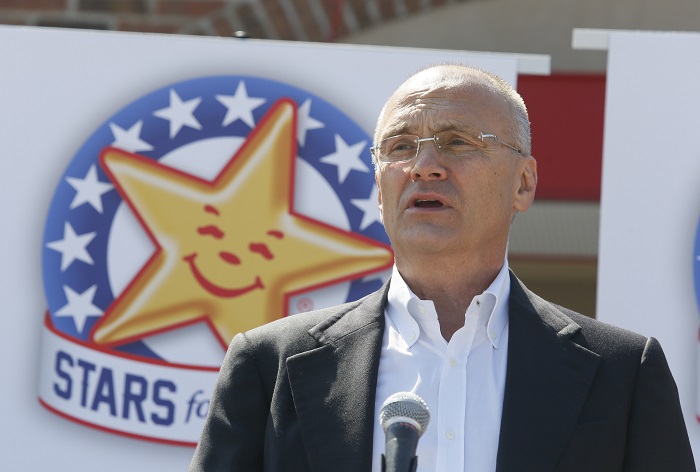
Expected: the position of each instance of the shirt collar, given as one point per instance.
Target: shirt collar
(402, 303)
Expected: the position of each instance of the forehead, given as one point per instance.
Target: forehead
(432, 100)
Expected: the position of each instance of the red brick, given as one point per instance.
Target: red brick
(334, 12)
(223, 27)
(359, 8)
(386, 8)
(72, 23)
(12, 21)
(278, 19)
(148, 27)
(413, 6)
(113, 6)
(308, 20)
(192, 8)
(33, 4)
(252, 26)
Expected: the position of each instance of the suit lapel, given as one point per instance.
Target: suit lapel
(334, 386)
(547, 381)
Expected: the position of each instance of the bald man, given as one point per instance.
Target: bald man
(513, 382)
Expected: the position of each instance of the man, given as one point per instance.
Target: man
(513, 383)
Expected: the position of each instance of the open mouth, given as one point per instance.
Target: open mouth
(428, 204)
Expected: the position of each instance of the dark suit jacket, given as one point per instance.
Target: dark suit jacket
(298, 395)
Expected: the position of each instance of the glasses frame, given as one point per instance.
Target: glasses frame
(482, 137)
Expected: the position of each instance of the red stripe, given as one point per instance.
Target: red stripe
(567, 113)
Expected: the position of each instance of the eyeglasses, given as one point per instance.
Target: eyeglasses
(451, 144)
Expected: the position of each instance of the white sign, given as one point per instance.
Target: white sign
(63, 92)
(650, 208)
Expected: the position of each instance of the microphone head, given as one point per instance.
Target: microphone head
(405, 407)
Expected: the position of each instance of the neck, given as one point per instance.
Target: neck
(450, 283)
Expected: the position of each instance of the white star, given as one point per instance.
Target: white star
(305, 123)
(72, 247)
(129, 140)
(79, 306)
(89, 189)
(240, 106)
(179, 113)
(369, 207)
(346, 158)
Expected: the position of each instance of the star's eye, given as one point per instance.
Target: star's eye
(229, 257)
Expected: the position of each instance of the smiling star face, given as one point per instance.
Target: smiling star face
(227, 264)
(230, 251)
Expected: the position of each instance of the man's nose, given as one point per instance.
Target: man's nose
(427, 164)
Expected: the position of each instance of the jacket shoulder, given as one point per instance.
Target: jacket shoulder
(304, 331)
(599, 337)
(606, 338)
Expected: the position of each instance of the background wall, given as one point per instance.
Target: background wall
(528, 26)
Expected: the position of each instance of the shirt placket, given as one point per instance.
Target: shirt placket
(453, 391)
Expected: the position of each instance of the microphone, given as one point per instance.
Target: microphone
(404, 417)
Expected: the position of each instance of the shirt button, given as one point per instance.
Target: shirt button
(450, 435)
(453, 362)
(492, 334)
(421, 308)
(412, 336)
(478, 302)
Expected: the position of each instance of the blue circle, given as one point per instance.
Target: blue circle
(85, 219)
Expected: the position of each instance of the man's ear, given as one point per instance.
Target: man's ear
(379, 198)
(528, 184)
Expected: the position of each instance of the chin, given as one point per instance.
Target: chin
(424, 242)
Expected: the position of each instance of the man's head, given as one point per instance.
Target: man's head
(456, 194)
(457, 74)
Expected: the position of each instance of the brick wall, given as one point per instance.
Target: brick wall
(305, 20)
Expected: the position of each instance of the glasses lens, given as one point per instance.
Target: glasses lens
(451, 144)
(398, 148)
(457, 143)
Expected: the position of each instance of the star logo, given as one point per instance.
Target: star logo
(202, 209)
(230, 251)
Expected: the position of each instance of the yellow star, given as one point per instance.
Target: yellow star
(229, 252)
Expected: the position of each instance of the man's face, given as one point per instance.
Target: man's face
(433, 203)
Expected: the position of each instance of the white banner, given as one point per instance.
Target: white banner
(129, 256)
(650, 205)
(123, 394)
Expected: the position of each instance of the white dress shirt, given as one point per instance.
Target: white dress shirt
(461, 381)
